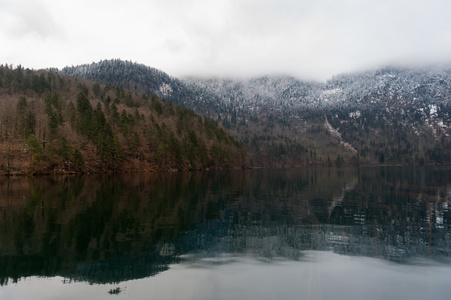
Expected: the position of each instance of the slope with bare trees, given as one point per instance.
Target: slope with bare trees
(55, 123)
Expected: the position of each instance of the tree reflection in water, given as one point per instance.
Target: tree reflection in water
(112, 228)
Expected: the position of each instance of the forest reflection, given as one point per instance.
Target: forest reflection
(111, 228)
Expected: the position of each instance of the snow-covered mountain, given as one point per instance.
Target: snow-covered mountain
(387, 115)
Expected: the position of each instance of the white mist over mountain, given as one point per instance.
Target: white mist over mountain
(306, 39)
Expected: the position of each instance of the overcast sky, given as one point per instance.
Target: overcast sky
(309, 39)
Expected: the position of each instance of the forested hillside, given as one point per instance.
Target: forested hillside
(55, 123)
(253, 111)
(385, 116)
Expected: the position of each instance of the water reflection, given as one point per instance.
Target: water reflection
(105, 229)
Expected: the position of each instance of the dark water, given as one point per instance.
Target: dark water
(376, 233)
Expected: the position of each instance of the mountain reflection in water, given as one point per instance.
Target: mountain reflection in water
(113, 228)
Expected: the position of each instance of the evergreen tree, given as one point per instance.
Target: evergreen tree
(27, 123)
(84, 109)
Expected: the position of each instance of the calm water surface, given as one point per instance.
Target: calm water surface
(373, 233)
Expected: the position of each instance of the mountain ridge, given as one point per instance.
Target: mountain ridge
(390, 115)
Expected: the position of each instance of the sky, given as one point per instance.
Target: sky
(308, 39)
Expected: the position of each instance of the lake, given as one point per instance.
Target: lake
(320, 233)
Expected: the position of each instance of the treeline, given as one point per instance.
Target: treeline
(56, 123)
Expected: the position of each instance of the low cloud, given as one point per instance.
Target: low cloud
(307, 39)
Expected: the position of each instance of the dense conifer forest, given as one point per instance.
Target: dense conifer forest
(386, 116)
(53, 123)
